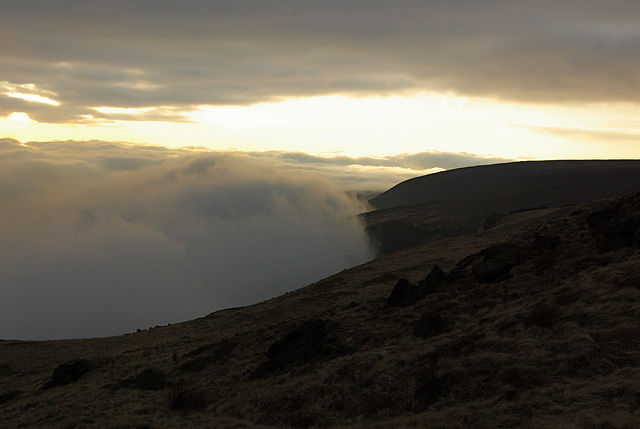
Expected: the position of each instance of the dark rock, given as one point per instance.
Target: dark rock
(435, 277)
(405, 293)
(6, 397)
(497, 262)
(400, 293)
(302, 343)
(429, 325)
(429, 285)
(67, 373)
(299, 342)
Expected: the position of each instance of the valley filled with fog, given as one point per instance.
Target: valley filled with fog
(102, 238)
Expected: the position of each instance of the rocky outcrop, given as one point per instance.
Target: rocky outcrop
(301, 344)
(401, 293)
(405, 293)
(496, 262)
(10, 396)
(67, 373)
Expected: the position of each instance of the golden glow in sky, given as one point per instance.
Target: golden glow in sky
(371, 126)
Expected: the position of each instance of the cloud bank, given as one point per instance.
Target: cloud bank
(102, 238)
(77, 61)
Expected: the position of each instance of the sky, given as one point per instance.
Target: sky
(161, 159)
(507, 79)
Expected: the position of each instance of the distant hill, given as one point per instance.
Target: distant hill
(531, 323)
(514, 185)
(468, 199)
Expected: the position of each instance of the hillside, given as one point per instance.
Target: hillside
(465, 200)
(533, 322)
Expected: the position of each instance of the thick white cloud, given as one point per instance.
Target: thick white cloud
(171, 57)
(103, 238)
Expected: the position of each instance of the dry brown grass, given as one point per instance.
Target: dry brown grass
(555, 345)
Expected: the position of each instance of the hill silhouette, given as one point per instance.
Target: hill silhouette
(532, 322)
(468, 199)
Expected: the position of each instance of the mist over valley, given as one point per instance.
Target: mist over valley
(103, 238)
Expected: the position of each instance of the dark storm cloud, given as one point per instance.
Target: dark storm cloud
(102, 238)
(174, 56)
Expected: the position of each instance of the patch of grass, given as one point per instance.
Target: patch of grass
(149, 379)
(544, 316)
(208, 354)
(183, 398)
(5, 370)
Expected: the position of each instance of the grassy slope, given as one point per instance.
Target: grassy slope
(495, 365)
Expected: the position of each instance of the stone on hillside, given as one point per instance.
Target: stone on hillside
(435, 277)
(405, 293)
(429, 325)
(10, 396)
(302, 343)
(400, 293)
(497, 262)
(299, 342)
(67, 373)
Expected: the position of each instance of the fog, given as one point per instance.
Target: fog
(104, 238)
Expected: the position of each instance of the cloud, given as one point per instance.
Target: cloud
(102, 238)
(369, 173)
(608, 136)
(171, 58)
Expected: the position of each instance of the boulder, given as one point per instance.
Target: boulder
(496, 263)
(10, 396)
(405, 293)
(67, 373)
(302, 343)
(401, 293)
